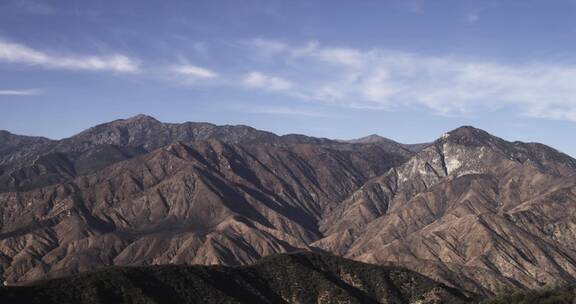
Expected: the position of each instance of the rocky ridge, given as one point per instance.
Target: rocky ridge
(470, 210)
(27, 163)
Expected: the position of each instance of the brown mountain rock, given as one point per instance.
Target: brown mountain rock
(471, 200)
(209, 202)
(471, 210)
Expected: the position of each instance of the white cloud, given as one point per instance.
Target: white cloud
(19, 92)
(289, 111)
(473, 17)
(339, 56)
(379, 78)
(261, 81)
(193, 71)
(266, 46)
(34, 7)
(18, 53)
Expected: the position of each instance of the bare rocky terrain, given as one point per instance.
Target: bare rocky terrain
(470, 210)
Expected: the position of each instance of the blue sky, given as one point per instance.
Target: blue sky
(408, 70)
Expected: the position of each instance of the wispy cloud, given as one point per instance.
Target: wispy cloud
(475, 10)
(19, 92)
(334, 55)
(193, 71)
(258, 80)
(18, 53)
(289, 111)
(266, 46)
(473, 17)
(384, 79)
(34, 7)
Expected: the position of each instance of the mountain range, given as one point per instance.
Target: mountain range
(470, 210)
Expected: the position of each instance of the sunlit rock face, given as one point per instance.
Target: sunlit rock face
(471, 209)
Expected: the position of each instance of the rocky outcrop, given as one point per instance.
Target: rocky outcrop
(471, 210)
(13, 147)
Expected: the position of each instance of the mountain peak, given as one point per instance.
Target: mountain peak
(468, 135)
(141, 118)
(467, 131)
(370, 139)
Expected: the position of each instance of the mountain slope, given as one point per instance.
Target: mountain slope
(556, 295)
(204, 203)
(377, 139)
(27, 163)
(13, 146)
(297, 278)
(471, 210)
